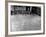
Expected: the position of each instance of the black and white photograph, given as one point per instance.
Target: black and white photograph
(24, 18)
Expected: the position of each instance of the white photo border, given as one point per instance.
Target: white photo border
(25, 32)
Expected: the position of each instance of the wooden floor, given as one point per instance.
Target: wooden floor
(25, 22)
